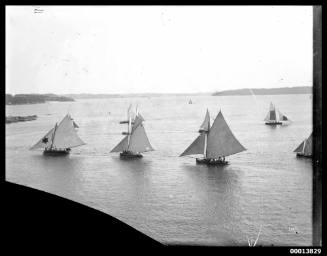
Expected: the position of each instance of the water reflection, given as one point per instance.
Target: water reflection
(60, 175)
(221, 187)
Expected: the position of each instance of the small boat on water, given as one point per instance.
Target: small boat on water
(190, 102)
(274, 118)
(305, 148)
(136, 141)
(215, 142)
(60, 139)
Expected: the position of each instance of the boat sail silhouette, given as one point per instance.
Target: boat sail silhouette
(305, 148)
(274, 118)
(136, 141)
(60, 139)
(215, 142)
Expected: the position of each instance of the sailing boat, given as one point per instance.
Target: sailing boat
(272, 118)
(305, 148)
(136, 141)
(214, 143)
(60, 139)
(190, 102)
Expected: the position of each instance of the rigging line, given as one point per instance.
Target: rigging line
(255, 99)
(255, 242)
(261, 209)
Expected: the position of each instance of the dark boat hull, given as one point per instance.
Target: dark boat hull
(302, 155)
(273, 123)
(211, 161)
(56, 152)
(129, 155)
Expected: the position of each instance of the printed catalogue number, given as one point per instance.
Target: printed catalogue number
(305, 251)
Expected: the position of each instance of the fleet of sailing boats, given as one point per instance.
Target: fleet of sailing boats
(273, 118)
(215, 142)
(305, 148)
(60, 139)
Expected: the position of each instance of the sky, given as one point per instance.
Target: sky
(156, 49)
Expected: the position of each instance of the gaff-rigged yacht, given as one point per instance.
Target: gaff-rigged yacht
(60, 139)
(215, 142)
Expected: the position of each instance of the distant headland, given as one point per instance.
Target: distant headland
(127, 95)
(34, 98)
(263, 91)
(15, 119)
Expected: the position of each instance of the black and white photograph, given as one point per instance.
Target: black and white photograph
(195, 125)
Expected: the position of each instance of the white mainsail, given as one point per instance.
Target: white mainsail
(45, 142)
(65, 135)
(221, 141)
(139, 141)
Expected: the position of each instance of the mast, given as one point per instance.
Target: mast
(129, 131)
(204, 128)
(205, 145)
(305, 141)
(53, 135)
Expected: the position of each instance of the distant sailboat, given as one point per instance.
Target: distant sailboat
(214, 143)
(305, 148)
(273, 118)
(60, 139)
(190, 102)
(136, 141)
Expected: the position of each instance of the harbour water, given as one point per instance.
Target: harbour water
(167, 197)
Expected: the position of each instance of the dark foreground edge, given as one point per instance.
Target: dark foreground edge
(39, 222)
(35, 219)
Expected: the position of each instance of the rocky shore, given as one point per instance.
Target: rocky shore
(15, 119)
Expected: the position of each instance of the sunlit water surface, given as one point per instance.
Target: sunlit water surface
(167, 197)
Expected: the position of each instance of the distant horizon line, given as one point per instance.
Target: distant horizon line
(156, 93)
